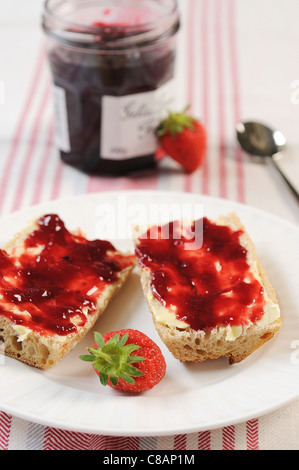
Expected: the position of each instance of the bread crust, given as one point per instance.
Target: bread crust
(41, 351)
(188, 345)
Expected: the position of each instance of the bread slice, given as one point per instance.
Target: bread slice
(54, 285)
(223, 338)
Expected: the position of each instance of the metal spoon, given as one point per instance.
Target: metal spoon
(260, 141)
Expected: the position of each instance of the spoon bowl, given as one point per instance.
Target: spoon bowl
(266, 144)
(260, 141)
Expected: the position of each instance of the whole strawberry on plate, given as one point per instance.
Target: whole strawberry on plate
(184, 139)
(127, 360)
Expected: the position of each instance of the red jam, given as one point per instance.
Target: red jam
(209, 285)
(56, 282)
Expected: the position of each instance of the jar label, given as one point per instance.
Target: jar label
(129, 122)
(62, 135)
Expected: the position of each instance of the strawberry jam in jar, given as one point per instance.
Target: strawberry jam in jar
(113, 67)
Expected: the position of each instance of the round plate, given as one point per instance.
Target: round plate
(191, 397)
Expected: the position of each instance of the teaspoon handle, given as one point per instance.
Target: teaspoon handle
(274, 165)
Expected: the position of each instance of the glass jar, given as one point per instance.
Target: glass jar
(112, 63)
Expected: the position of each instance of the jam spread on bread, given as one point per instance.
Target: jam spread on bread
(206, 283)
(50, 282)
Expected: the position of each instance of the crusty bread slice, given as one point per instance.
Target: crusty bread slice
(236, 342)
(36, 347)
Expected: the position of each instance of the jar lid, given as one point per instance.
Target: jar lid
(110, 24)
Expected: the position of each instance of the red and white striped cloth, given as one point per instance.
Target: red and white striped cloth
(226, 72)
(18, 434)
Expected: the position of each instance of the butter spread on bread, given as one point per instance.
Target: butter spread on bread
(54, 285)
(209, 295)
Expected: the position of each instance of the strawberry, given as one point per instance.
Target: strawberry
(114, 353)
(183, 138)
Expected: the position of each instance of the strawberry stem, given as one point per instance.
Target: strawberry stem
(175, 123)
(113, 359)
(100, 354)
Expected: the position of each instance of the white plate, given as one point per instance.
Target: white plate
(190, 398)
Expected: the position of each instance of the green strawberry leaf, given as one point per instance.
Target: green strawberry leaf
(113, 359)
(133, 359)
(114, 380)
(175, 123)
(99, 339)
(127, 378)
(131, 371)
(87, 358)
(103, 378)
(123, 340)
